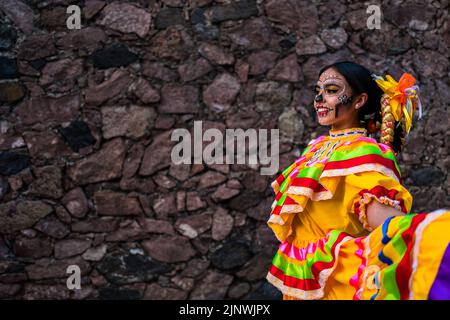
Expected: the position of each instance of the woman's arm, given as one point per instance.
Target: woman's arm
(377, 213)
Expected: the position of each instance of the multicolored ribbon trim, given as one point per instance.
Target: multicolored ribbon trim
(403, 97)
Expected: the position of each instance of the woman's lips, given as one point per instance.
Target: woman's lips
(322, 111)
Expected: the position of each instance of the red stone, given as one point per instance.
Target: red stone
(221, 93)
(310, 45)
(116, 204)
(242, 69)
(252, 34)
(165, 205)
(118, 83)
(296, 16)
(48, 183)
(125, 18)
(177, 98)
(157, 292)
(76, 203)
(194, 201)
(223, 193)
(210, 179)
(193, 225)
(194, 70)
(152, 161)
(142, 185)
(47, 268)
(213, 285)
(132, 122)
(286, 70)
(133, 160)
(169, 248)
(86, 38)
(222, 224)
(45, 292)
(20, 13)
(172, 43)
(45, 145)
(47, 110)
(98, 225)
(92, 7)
(33, 248)
(144, 228)
(145, 92)
(216, 54)
(105, 164)
(71, 247)
(158, 70)
(261, 61)
(15, 216)
(36, 46)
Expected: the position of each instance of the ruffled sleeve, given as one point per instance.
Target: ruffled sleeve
(295, 187)
(365, 187)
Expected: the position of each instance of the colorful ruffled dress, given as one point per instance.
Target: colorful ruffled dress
(328, 250)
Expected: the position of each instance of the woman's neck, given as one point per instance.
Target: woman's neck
(350, 132)
(355, 124)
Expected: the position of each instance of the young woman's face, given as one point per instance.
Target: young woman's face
(332, 93)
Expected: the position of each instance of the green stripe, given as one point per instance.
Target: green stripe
(310, 172)
(307, 172)
(281, 200)
(389, 283)
(397, 241)
(285, 173)
(360, 151)
(389, 279)
(288, 170)
(304, 271)
(306, 150)
(284, 186)
(363, 151)
(291, 269)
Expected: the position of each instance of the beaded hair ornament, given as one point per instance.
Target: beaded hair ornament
(398, 103)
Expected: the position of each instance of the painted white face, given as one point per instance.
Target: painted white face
(331, 91)
(330, 84)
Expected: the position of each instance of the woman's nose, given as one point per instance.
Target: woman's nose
(318, 98)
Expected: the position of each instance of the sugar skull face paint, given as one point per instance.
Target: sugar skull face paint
(332, 94)
(344, 99)
(330, 84)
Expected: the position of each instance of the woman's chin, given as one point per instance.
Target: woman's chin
(325, 121)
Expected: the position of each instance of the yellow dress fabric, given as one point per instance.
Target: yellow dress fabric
(328, 250)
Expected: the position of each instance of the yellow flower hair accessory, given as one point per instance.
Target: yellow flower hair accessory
(403, 97)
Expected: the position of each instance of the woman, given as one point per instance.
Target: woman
(341, 212)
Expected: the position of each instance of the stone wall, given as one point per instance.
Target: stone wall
(86, 117)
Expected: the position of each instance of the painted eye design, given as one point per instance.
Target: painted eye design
(344, 99)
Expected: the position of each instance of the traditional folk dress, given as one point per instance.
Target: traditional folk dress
(328, 250)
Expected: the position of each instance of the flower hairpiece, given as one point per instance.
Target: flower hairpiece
(403, 97)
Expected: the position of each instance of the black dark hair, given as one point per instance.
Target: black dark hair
(360, 80)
